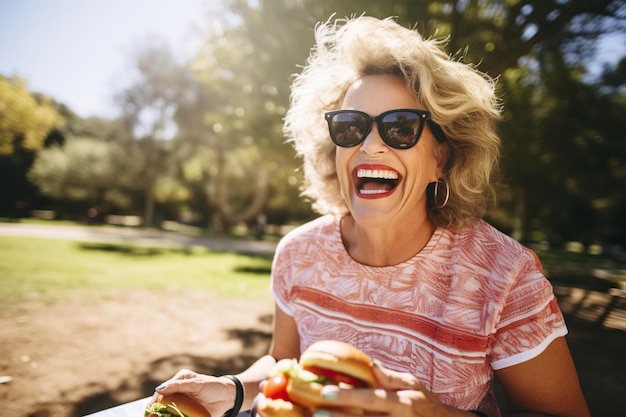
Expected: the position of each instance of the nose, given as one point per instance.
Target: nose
(373, 143)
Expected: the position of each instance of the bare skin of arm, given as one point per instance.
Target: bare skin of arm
(285, 345)
(547, 384)
(218, 394)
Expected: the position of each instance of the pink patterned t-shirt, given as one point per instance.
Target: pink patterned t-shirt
(473, 300)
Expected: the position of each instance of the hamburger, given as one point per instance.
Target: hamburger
(176, 405)
(294, 388)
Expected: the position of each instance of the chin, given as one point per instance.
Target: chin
(371, 217)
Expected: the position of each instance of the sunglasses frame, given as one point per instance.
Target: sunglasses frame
(424, 117)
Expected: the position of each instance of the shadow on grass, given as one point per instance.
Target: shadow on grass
(261, 262)
(257, 270)
(254, 342)
(135, 250)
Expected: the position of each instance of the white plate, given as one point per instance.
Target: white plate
(131, 409)
(136, 409)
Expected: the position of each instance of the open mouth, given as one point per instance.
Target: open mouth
(375, 182)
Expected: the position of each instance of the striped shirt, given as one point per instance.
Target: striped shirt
(472, 301)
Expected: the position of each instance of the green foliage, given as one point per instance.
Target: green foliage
(564, 143)
(83, 169)
(259, 45)
(148, 106)
(243, 72)
(66, 269)
(206, 137)
(76, 172)
(24, 121)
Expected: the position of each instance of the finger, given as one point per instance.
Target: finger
(188, 386)
(156, 397)
(253, 408)
(355, 399)
(377, 402)
(182, 375)
(185, 382)
(185, 374)
(393, 380)
(320, 412)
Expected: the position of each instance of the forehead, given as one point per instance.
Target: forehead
(377, 93)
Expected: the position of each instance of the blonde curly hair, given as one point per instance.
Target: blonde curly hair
(461, 100)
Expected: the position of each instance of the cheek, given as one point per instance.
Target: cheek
(341, 163)
(421, 168)
(344, 176)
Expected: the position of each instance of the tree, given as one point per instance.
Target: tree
(494, 34)
(208, 135)
(258, 45)
(85, 170)
(498, 33)
(244, 69)
(148, 108)
(561, 139)
(25, 122)
(580, 156)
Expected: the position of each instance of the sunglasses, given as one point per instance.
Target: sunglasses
(400, 129)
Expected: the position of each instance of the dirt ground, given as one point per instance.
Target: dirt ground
(76, 358)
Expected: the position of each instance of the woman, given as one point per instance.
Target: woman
(399, 150)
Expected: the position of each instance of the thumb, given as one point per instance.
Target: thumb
(184, 382)
(393, 380)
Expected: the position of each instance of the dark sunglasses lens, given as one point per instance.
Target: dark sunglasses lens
(348, 129)
(401, 129)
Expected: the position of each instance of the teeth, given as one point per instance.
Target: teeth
(377, 173)
(372, 191)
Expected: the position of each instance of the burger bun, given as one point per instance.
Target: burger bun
(308, 394)
(187, 405)
(339, 357)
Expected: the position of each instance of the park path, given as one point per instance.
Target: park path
(137, 235)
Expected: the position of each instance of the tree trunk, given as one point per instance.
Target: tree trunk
(224, 214)
(148, 211)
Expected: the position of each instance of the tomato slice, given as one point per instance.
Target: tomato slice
(335, 376)
(276, 387)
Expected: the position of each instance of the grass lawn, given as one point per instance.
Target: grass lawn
(54, 270)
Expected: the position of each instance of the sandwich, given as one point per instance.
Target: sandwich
(176, 405)
(294, 387)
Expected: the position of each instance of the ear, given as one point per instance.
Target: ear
(442, 153)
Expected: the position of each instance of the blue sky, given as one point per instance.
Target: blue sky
(77, 51)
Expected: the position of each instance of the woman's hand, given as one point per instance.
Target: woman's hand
(398, 394)
(216, 394)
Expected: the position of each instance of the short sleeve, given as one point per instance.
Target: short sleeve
(530, 319)
(280, 276)
(296, 255)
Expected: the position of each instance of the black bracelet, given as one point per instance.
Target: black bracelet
(478, 413)
(238, 398)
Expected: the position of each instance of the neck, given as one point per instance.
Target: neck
(386, 245)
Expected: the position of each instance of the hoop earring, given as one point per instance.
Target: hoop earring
(436, 193)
